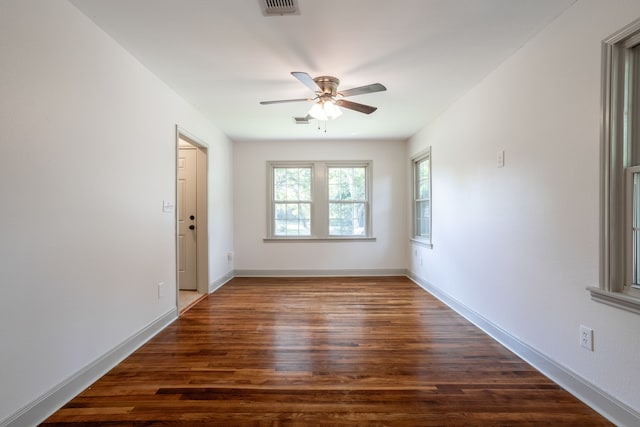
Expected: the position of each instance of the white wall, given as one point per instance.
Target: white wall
(519, 244)
(388, 208)
(87, 156)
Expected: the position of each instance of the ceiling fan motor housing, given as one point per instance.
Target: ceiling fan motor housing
(328, 84)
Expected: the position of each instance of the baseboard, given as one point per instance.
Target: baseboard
(215, 285)
(41, 408)
(321, 273)
(605, 404)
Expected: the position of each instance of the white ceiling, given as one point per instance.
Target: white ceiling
(224, 56)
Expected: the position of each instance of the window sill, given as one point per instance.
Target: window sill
(615, 299)
(423, 243)
(316, 239)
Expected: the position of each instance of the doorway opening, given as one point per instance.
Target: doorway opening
(192, 239)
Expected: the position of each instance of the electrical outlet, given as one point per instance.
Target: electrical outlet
(586, 337)
(229, 256)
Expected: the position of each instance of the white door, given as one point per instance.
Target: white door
(187, 221)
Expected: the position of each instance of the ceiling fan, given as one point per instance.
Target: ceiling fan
(327, 97)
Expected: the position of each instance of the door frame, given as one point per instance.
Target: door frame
(202, 211)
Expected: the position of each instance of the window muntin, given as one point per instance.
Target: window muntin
(319, 200)
(347, 201)
(422, 197)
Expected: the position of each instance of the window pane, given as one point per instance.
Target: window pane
(422, 219)
(292, 184)
(347, 183)
(292, 219)
(347, 219)
(631, 105)
(422, 179)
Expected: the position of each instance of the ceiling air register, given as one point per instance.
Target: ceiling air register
(279, 7)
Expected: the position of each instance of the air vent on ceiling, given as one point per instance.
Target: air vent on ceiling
(301, 120)
(279, 7)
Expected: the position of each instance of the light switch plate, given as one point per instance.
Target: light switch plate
(167, 206)
(160, 290)
(501, 158)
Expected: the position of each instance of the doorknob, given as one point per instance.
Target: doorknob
(192, 217)
(192, 227)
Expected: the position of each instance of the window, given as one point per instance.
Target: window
(292, 201)
(421, 166)
(620, 192)
(347, 201)
(319, 200)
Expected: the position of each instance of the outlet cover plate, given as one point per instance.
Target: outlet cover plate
(586, 337)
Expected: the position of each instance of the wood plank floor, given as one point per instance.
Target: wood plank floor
(323, 352)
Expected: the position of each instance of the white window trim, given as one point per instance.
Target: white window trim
(319, 201)
(419, 240)
(614, 250)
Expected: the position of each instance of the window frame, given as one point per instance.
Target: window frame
(319, 200)
(424, 155)
(617, 142)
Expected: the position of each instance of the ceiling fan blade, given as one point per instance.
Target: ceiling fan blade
(282, 101)
(366, 109)
(306, 80)
(375, 87)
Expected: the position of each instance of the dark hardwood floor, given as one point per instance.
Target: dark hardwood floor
(373, 351)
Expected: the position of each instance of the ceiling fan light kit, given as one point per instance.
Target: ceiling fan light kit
(325, 110)
(328, 99)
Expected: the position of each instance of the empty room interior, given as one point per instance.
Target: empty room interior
(437, 182)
